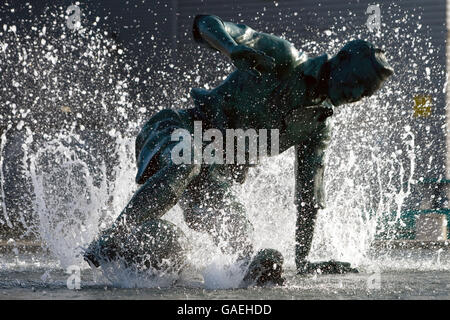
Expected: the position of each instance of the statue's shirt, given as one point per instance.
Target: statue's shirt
(284, 99)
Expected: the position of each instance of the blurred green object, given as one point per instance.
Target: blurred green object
(434, 199)
(405, 227)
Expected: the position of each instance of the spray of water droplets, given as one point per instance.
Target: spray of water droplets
(65, 99)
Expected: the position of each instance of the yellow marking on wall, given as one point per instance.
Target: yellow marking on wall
(422, 106)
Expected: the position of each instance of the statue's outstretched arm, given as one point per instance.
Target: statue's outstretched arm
(310, 198)
(309, 195)
(213, 32)
(233, 41)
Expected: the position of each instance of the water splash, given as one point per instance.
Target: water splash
(83, 81)
(66, 195)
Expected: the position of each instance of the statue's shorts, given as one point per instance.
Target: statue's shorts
(155, 136)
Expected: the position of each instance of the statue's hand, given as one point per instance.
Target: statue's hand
(326, 267)
(250, 60)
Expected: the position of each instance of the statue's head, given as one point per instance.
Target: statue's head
(357, 71)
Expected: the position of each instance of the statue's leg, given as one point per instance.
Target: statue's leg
(157, 244)
(159, 194)
(151, 201)
(210, 206)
